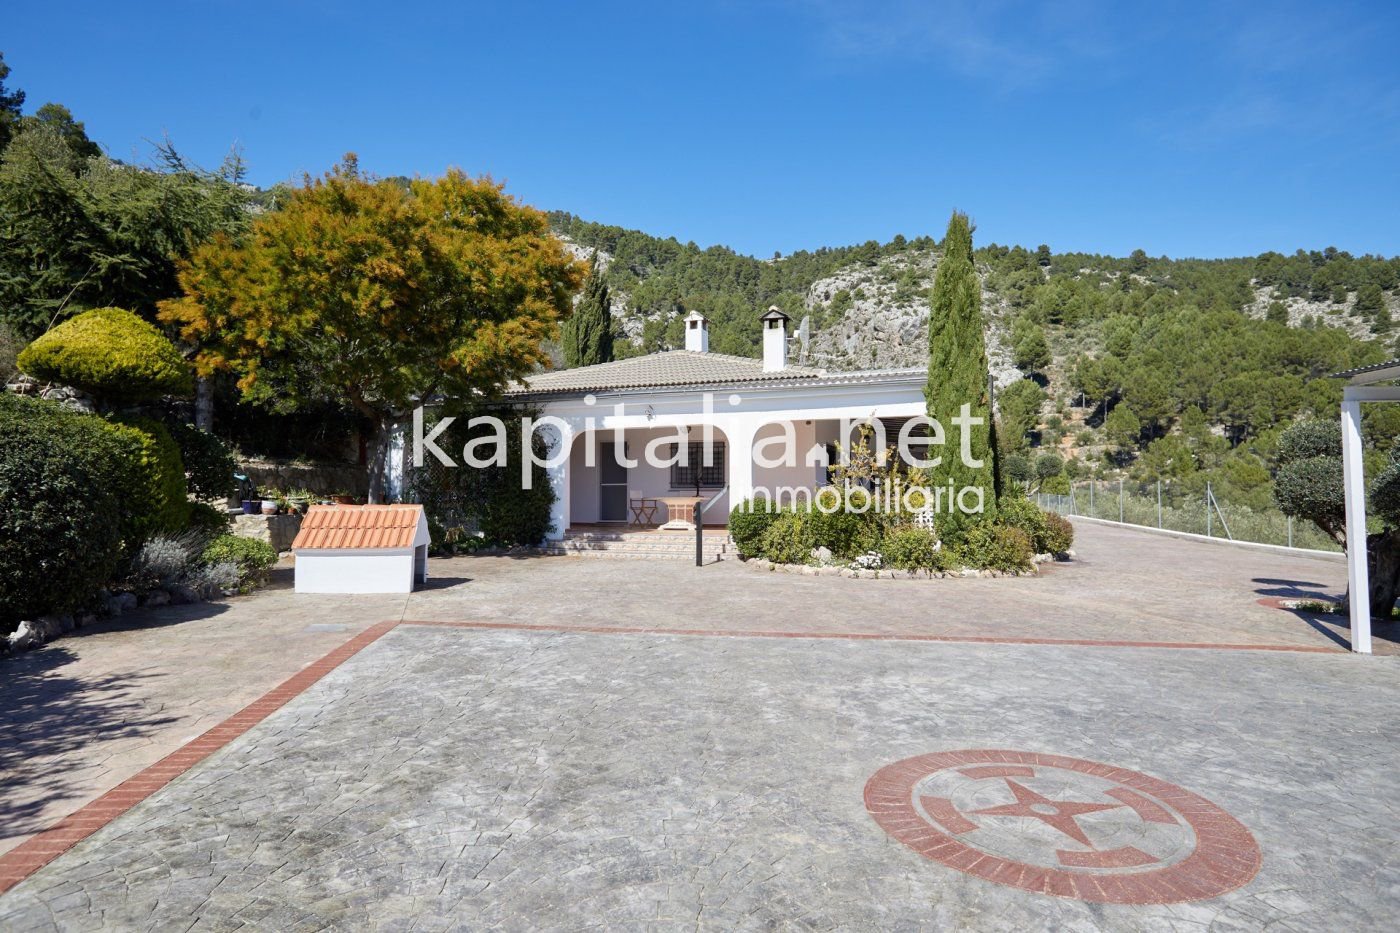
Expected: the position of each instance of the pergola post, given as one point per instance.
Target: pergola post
(1358, 578)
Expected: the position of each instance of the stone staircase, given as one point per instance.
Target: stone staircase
(643, 545)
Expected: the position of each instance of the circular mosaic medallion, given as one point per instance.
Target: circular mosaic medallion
(1063, 826)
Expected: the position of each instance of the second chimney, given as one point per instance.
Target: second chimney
(697, 333)
(774, 340)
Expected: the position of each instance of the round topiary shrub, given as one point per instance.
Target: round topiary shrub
(788, 539)
(61, 526)
(748, 522)
(110, 354)
(163, 504)
(909, 547)
(1308, 439)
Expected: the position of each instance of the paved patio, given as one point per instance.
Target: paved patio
(627, 773)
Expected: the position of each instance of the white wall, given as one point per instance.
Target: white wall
(354, 571)
(796, 475)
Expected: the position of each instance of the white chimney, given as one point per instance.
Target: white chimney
(697, 333)
(774, 340)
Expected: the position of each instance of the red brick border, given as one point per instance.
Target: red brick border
(1225, 856)
(37, 851)
(45, 846)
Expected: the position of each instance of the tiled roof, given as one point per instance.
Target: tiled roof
(345, 527)
(679, 368)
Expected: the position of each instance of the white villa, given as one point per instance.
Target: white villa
(746, 402)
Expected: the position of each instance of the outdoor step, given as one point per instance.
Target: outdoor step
(641, 545)
(625, 554)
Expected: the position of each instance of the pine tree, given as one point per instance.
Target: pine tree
(957, 371)
(10, 104)
(587, 335)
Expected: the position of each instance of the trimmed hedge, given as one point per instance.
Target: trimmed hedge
(110, 354)
(63, 477)
(165, 506)
(748, 522)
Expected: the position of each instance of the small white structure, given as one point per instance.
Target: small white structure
(1361, 386)
(361, 549)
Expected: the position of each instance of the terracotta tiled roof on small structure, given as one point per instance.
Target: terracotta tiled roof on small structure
(346, 527)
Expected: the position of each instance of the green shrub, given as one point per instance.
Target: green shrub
(1308, 439)
(110, 354)
(1016, 511)
(1059, 535)
(164, 505)
(909, 547)
(841, 531)
(993, 546)
(210, 521)
(788, 539)
(209, 463)
(61, 525)
(748, 522)
(251, 556)
(493, 497)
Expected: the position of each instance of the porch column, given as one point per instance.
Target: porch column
(739, 473)
(1353, 474)
(561, 446)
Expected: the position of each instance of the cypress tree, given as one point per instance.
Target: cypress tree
(587, 334)
(957, 370)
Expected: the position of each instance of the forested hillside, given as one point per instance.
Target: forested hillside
(1184, 370)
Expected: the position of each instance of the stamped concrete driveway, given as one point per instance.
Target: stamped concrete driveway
(609, 769)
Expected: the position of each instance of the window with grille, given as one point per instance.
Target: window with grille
(685, 475)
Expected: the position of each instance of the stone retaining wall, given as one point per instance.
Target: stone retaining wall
(277, 530)
(322, 478)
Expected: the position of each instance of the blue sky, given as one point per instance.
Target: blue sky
(1210, 129)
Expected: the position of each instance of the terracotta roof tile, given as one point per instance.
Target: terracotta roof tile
(344, 527)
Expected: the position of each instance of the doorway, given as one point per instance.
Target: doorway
(612, 478)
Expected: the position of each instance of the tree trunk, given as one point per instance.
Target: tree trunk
(380, 444)
(1383, 558)
(203, 404)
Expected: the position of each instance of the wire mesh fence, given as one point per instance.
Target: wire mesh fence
(1160, 505)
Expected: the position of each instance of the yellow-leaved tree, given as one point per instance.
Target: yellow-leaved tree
(379, 295)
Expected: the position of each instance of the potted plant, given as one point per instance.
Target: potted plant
(299, 501)
(343, 498)
(269, 506)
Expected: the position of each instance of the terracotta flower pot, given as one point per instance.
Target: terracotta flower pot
(269, 507)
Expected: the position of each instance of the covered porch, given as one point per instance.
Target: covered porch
(626, 470)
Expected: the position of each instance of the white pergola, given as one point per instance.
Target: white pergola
(1361, 387)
